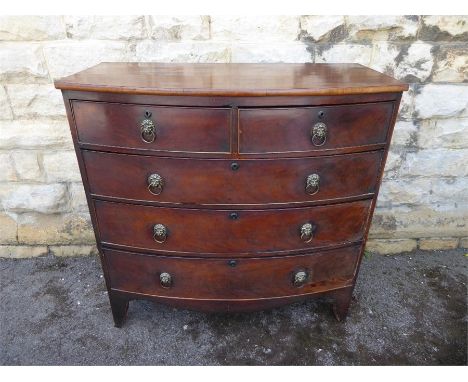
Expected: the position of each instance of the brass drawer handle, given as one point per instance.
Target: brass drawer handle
(307, 232)
(155, 184)
(159, 233)
(312, 184)
(319, 134)
(148, 130)
(300, 278)
(165, 280)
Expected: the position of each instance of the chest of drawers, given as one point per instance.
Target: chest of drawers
(230, 187)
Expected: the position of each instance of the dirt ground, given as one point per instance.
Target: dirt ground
(409, 309)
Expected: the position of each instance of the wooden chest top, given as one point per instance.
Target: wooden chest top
(231, 79)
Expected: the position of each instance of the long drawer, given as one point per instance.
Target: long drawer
(153, 128)
(228, 279)
(231, 182)
(200, 232)
(312, 129)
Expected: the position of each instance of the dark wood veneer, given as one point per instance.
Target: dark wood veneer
(213, 182)
(231, 79)
(211, 232)
(208, 116)
(180, 129)
(282, 130)
(220, 279)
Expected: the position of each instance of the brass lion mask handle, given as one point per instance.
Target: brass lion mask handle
(307, 232)
(319, 134)
(147, 128)
(159, 233)
(312, 184)
(155, 184)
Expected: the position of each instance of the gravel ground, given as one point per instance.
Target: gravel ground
(410, 309)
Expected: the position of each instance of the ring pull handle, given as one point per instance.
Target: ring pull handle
(300, 278)
(165, 279)
(312, 184)
(307, 232)
(159, 233)
(319, 134)
(147, 128)
(155, 184)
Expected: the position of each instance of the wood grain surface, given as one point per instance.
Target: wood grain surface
(231, 79)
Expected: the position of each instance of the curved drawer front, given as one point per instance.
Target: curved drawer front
(168, 129)
(231, 279)
(203, 232)
(309, 129)
(214, 182)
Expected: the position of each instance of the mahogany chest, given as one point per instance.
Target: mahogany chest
(230, 187)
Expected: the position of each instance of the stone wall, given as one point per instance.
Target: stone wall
(423, 200)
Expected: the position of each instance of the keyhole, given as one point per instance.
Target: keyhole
(234, 216)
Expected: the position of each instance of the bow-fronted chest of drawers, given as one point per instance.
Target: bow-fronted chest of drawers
(230, 187)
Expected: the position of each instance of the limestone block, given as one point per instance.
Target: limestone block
(423, 221)
(77, 197)
(44, 198)
(451, 64)
(23, 251)
(406, 108)
(415, 63)
(254, 28)
(391, 246)
(68, 57)
(278, 52)
(385, 57)
(7, 229)
(73, 250)
(7, 169)
(444, 28)
(464, 242)
(438, 243)
(35, 134)
(55, 229)
(31, 101)
(175, 28)
(197, 51)
(26, 165)
(405, 134)
(441, 101)
(105, 27)
(22, 62)
(423, 191)
(61, 166)
(381, 28)
(394, 161)
(33, 28)
(341, 53)
(435, 163)
(323, 28)
(449, 133)
(412, 63)
(5, 109)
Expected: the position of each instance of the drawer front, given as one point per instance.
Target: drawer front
(178, 129)
(231, 279)
(214, 182)
(194, 232)
(309, 129)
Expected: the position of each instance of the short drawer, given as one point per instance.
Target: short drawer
(310, 129)
(196, 232)
(231, 182)
(156, 128)
(225, 279)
